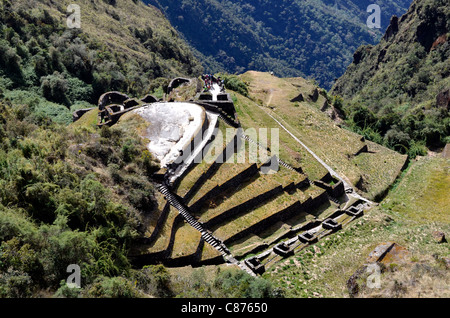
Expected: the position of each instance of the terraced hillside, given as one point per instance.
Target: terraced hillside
(250, 195)
(305, 110)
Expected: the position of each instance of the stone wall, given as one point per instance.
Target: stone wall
(222, 157)
(112, 116)
(149, 99)
(188, 259)
(335, 191)
(159, 224)
(224, 102)
(267, 222)
(162, 256)
(189, 148)
(177, 82)
(201, 180)
(80, 112)
(230, 119)
(111, 98)
(231, 183)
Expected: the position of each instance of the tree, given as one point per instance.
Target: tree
(54, 88)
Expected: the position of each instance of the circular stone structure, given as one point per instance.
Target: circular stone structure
(173, 127)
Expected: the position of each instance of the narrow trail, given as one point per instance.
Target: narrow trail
(209, 237)
(349, 190)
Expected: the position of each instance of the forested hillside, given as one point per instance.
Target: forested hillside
(397, 92)
(292, 38)
(122, 46)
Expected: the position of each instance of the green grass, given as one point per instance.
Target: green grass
(291, 152)
(316, 130)
(323, 269)
(194, 173)
(422, 195)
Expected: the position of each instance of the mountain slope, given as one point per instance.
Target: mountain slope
(291, 38)
(120, 46)
(398, 88)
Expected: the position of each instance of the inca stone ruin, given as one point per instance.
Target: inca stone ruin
(223, 210)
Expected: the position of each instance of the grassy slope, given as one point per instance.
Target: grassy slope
(378, 169)
(415, 208)
(112, 26)
(389, 71)
(399, 80)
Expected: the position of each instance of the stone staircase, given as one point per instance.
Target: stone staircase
(208, 237)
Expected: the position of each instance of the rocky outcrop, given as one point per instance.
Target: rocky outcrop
(379, 259)
(314, 95)
(392, 28)
(439, 41)
(439, 237)
(443, 99)
(446, 152)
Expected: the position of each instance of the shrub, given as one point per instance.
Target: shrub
(154, 280)
(234, 83)
(15, 223)
(115, 287)
(397, 140)
(18, 256)
(9, 59)
(362, 116)
(338, 102)
(78, 60)
(65, 291)
(15, 284)
(238, 284)
(78, 90)
(55, 87)
(41, 200)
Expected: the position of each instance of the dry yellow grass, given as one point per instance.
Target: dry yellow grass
(334, 145)
(187, 240)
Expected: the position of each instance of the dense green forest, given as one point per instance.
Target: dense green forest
(391, 90)
(310, 38)
(74, 194)
(58, 70)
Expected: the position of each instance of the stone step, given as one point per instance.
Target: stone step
(210, 239)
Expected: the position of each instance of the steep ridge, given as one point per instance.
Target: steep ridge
(398, 89)
(292, 38)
